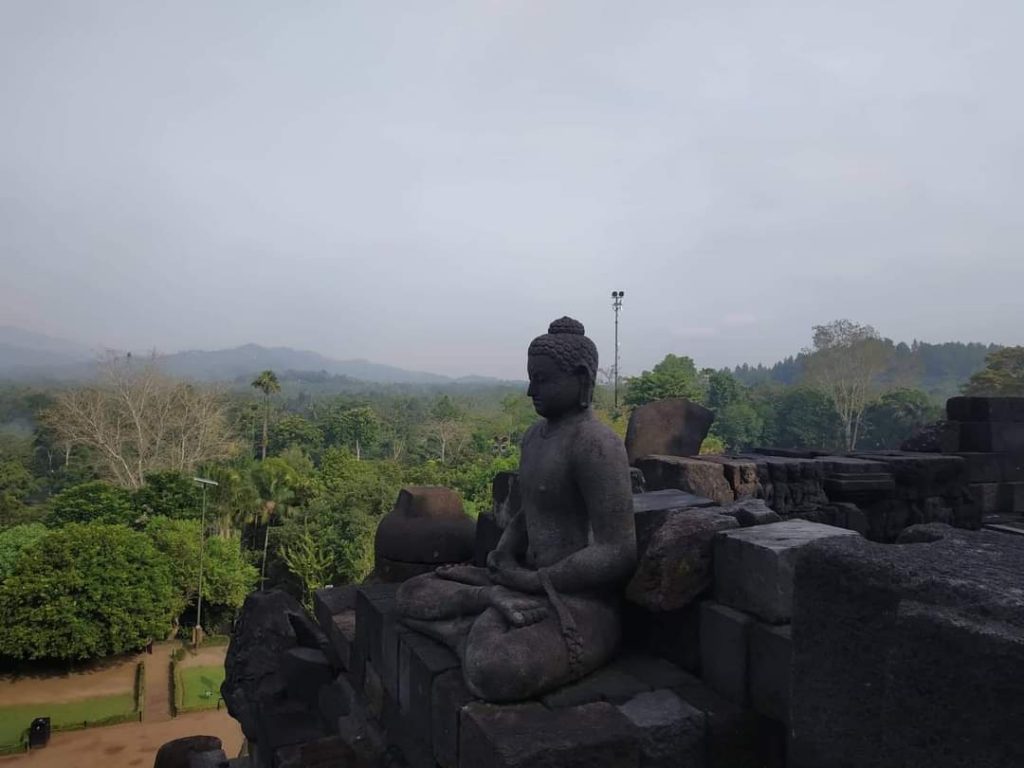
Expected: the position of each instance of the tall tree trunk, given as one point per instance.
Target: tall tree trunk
(266, 418)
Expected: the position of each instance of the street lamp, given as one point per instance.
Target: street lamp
(617, 305)
(202, 550)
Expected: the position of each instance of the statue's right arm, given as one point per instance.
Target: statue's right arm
(513, 541)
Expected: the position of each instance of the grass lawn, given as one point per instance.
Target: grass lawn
(196, 682)
(67, 716)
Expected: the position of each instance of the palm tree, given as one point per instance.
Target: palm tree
(276, 483)
(268, 384)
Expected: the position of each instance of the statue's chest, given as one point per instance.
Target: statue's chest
(546, 472)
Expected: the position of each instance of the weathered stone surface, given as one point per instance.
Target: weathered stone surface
(985, 408)
(741, 475)
(995, 436)
(748, 512)
(910, 654)
(283, 724)
(179, 753)
(505, 497)
(921, 475)
(654, 671)
(858, 487)
(769, 664)
(328, 752)
(669, 498)
(672, 427)
(790, 483)
(613, 684)
(590, 736)
(754, 566)
(672, 635)
(373, 601)
(724, 637)
(940, 437)
(675, 558)
(637, 482)
(702, 478)
(734, 735)
(993, 467)
(487, 536)
(420, 661)
(449, 697)
(672, 732)
(426, 525)
(305, 670)
(334, 608)
(270, 624)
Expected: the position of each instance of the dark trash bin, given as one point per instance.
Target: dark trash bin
(39, 733)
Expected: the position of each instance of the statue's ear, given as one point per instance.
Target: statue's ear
(586, 386)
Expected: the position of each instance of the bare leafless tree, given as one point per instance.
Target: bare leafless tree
(138, 420)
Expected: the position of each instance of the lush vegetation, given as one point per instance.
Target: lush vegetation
(65, 716)
(103, 527)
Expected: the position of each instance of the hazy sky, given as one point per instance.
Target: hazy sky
(430, 183)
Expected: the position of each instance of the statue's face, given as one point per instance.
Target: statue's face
(554, 392)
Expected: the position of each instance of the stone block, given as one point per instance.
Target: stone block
(449, 697)
(372, 602)
(860, 486)
(330, 601)
(995, 436)
(748, 512)
(335, 701)
(908, 654)
(675, 562)
(672, 732)
(655, 671)
(420, 661)
(426, 526)
(589, 736)
(724, 637)
(667, 499)
(754, 566)
(341, 636)
(612, 683)
(672, 635)
(671, 427)
(733, 733)
(388, 663)
(702, 478)
(1012, 497)
(985, 409)
(741, 474)
(505, 497)
(986, 496)
(769, 661)
(983, 467)
(305, 670)
(920, 475)
(488, 534)
(789, 483)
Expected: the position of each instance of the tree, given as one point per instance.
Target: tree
(845, 363)
(94, 502)
(294, 430)
(169, 494)
(896, 416)
(801, 417)
(268, 384)
(16, 484)
(85, 591)
(1003, 375)
(227, 576)
(674, 376)
(14, 540)
(276, 482)
(310, 561)
(446, 425)
(358, 428)
(136, 420)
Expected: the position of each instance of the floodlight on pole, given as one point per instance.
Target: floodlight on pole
(205, 482)
(617, 305)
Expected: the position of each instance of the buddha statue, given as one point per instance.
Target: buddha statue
(545, 610)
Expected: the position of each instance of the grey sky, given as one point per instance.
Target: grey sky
(430, 183)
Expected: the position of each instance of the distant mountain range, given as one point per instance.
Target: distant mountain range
(27, 356)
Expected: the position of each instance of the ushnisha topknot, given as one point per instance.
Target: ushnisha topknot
(566, 345)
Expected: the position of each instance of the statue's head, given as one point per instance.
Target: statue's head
(562, 365)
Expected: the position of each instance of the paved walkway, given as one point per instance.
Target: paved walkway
(158, 683)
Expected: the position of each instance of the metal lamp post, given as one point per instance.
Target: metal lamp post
(202, 550)
(617, 305)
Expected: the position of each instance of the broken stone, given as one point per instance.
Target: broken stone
(671, 427)
(750, 512)
(675, 561)
(702, 478)
(671, 731)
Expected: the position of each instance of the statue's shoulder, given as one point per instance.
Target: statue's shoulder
(531, 432)
(592, 432)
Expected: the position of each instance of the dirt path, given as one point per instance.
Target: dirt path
(158, 683)
(212, 656)
(130, 745)
(106, 678)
